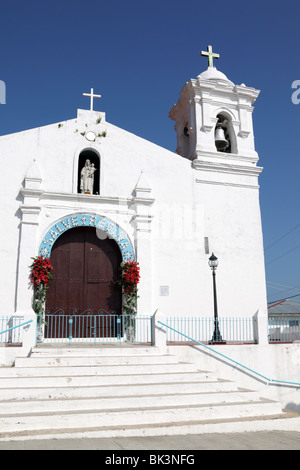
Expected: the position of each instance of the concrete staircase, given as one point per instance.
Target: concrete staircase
(122, 391)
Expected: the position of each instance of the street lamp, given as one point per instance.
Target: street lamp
(216, 338)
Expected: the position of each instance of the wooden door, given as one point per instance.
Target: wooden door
(85, 270)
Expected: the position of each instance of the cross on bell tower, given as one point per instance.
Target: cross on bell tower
(211, 55)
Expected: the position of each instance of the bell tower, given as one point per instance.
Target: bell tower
(213, 118)
(213, 122)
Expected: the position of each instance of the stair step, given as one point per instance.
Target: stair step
(129, 418)
(87, 360)
(97, 370)
(101, 375)
(19, 408)
(162, 385)
(109, 350)
(92, 380)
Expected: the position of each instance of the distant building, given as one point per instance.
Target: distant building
(284, 321)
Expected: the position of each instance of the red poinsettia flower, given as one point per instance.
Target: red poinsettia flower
(131, 276)
(41, 271)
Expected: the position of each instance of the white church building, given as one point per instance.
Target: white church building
(90, 195)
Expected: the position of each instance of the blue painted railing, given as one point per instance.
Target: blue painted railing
(10, 337)
(90, 327)
(235, 330)
(232, 360)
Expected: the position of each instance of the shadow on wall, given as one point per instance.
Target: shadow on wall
(291, 406)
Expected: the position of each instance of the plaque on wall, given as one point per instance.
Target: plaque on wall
(164, 291)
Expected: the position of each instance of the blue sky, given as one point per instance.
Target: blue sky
(138, 55)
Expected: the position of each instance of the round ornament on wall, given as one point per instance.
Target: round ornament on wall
(91, 136)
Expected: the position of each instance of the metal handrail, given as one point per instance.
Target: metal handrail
(229, 358)
(16, 326)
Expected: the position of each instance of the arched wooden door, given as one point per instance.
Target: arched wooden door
(86, 270)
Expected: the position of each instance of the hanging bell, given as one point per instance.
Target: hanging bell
(220, 140)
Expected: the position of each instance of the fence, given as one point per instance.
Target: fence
(98, 327)
(10, 332)
(91, 327)
(232, 330)
(284, 329)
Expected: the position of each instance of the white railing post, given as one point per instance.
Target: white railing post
(159, 332)
(29, 332)
(261, 328)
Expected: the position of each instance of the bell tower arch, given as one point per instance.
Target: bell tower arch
(225, 137)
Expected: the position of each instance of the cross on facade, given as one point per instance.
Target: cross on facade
(211, 55)
(92, 96)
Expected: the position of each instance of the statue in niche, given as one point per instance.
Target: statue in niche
(87, 178)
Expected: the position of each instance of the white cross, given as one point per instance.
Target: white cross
(92, 96)
(211, 55)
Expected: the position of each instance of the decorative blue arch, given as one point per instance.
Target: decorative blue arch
(106, 225)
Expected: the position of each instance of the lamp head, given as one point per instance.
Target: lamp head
(213, 261)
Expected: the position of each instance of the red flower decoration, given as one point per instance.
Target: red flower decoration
(131, 276)
(41, 271)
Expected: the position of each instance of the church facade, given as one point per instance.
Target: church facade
(89, 195)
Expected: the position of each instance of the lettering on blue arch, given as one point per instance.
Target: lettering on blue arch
(86, 220)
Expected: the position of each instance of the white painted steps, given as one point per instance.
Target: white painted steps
(118, 392)
(119, 386)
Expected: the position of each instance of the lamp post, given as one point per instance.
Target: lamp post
(216, 338)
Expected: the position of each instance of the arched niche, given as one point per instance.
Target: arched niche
(91, 156)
